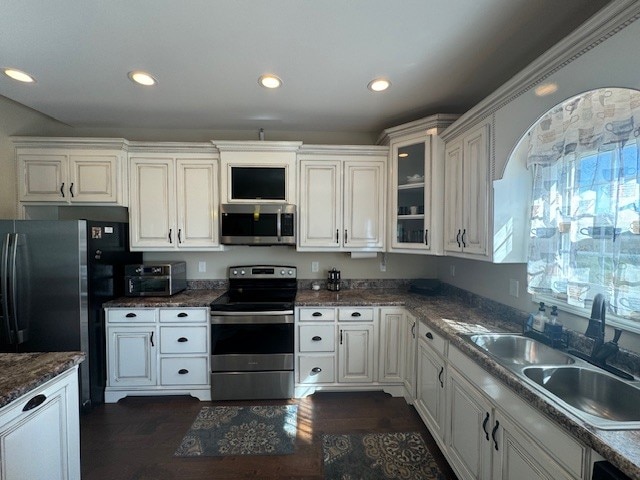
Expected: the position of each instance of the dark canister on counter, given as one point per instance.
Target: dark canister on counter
(333, 281)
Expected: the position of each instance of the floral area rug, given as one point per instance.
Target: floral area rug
(229, 430)
(378, 456)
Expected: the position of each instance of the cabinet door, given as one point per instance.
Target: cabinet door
(430, 399)
(93, 178)
(197, 203)
(410, 344)
(469, 428)
(364, 202)
(355, 354)
(152, 203)
(410, 211)
(35, 445)
(517, 456)
(132, 356)
(43, 178)
(392, 352)
(475, 191)
(320, 204)
(453, 197)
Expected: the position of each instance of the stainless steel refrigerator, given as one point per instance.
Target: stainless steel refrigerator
(54, 277)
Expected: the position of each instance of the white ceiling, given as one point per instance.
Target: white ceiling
(440, 55)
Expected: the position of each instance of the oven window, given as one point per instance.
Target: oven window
(256, 339)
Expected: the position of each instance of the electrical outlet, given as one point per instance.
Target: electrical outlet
(383, 263)
(202, 266)
(315, 266)
(452, 270)
(514, 287)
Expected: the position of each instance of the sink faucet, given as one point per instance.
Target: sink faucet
(601, 351)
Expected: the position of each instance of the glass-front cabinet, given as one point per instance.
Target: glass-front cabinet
(412, 209)
(416, 176)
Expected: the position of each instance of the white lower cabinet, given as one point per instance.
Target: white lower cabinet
(40, 432)
(431, 383)
(335, 348)
(493, 434)
(157, 351)
(410, 379)
(392, 358)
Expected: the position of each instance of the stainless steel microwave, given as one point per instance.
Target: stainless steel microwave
(258, 224)
(155, 279)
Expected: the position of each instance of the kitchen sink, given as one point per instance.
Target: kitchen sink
(590, 391)
(520, 350)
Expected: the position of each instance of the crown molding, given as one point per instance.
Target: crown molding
(172, 147)
(606, 23)
(256, 146)
(70, 142)
(439, 121)
(344, 150)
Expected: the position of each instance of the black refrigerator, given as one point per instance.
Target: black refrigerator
(54, 277)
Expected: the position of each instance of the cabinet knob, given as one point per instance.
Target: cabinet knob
(316, 370)
(183, 371)
(183, 339)
(316, 338)
(429, 335)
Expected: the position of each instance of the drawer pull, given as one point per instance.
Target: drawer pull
(316, 314)
(356, 314)
(183, 371)
(316, 370)
(429, 335)
(183, 339)
(182, 315)
(130, 315)
(34, 402)
(316, 338)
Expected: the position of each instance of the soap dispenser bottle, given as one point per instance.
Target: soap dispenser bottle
(540, 319)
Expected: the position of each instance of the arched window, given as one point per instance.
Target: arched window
(585, 212)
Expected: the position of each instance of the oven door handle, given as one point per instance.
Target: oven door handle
(218, 318)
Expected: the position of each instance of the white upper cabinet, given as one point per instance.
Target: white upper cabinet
(416, 179)
(466, 183)
(261, 171)
(342, 198)
(174, 200)
(71, 171)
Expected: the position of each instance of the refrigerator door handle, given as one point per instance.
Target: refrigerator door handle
(18, 335)
(4, 281)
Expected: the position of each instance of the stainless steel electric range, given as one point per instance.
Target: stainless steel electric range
(252, 334)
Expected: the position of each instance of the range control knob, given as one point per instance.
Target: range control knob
(235, 272)
(290, 272)
(281, 272)
(242, 272)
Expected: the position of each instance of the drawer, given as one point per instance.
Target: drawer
(427, 334)
(191, 315)
(183, 339)
(355, 314)
(316, 369)
(316, 338)
(184, 371)
(131, 315)
(317, 314)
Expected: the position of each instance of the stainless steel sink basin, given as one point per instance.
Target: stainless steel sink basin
(590, 391)
(519, 350)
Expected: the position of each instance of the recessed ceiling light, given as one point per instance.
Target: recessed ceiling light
(269, 81)
(19, 75)
(403, 155)
(546, 89)
(378, 85)
(142, 78)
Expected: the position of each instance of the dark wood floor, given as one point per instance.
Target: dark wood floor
(135, 439)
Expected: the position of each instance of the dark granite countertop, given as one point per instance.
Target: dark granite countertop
(22, 372)
(453, 317)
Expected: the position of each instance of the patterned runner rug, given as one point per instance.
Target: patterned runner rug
(259, 430)
(378, 456)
